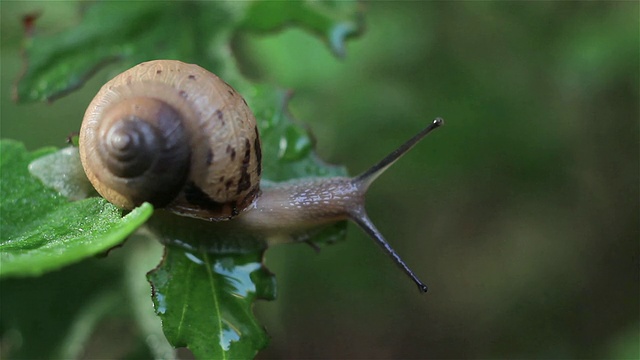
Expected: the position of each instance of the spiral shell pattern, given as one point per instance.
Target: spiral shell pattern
(174, 135)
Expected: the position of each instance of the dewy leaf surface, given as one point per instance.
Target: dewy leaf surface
(43, 231)
(205, 302)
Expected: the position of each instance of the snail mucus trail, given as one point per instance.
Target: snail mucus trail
(179, 137)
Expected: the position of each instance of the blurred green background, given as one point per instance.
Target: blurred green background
(522, 213)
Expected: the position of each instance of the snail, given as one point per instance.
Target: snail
(177, 136)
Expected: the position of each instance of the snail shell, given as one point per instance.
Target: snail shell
(174, 135)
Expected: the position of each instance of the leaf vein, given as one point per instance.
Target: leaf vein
(216, 300)
(186, 300)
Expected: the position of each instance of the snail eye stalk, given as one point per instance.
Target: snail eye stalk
(364, 180)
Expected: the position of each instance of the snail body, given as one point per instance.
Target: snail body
(179, 137)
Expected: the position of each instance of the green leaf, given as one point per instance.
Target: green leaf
(334, 22)
(135, 31)
(110, 32)
(205, 302)
(126, 32)
(287, 147)
(42, 230)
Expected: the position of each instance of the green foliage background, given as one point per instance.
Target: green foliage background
(521, 213)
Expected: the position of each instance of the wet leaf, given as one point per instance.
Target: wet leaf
(205, 302)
